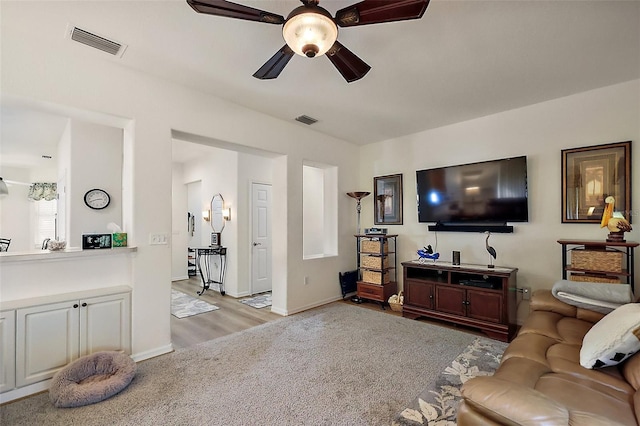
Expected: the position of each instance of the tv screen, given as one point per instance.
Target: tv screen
(486, 192)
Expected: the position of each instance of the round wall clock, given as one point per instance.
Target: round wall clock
(97, 199)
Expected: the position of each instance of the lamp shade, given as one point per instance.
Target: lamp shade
(310, 31)
(358, 195)
(3, 188)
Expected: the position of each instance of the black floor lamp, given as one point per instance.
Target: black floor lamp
(358, 196)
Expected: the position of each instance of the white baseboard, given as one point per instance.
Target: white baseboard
(24, 391)
(141, 356)
(285, 312)
(180, 278)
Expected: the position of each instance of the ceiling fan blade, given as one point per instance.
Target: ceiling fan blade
(347, 63)
(378, 11)
(274, 66)
(233, 10)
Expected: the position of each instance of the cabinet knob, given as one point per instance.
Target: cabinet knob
(75, 305)
(84, 305)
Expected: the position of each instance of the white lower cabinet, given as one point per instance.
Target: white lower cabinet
(48, 337)
(8, 350)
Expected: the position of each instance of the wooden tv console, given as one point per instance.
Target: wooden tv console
(471, 295)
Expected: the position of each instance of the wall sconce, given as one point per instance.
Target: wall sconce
(226, 214)
(206, 215)
(3, 188)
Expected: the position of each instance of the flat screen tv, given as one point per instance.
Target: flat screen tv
(486, 192)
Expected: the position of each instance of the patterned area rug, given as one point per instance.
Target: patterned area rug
(437, 405)
(260, 301)
(183, 305)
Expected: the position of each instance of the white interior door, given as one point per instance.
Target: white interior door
(261, 238)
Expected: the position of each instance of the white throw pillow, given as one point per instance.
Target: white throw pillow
(612, 339)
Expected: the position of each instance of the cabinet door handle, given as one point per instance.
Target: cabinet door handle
(84, 305)
(75, 305)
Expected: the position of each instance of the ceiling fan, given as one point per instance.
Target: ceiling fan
(311, 31)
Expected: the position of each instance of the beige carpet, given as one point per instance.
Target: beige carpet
(335, 365)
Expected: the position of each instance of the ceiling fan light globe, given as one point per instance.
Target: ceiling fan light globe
(309, 32)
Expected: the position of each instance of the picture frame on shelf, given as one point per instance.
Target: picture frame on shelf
(591, 174)
(387, 200)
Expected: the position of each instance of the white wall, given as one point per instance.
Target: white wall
(62, 178)
(96, 162)
(610, 114)
(179, 229)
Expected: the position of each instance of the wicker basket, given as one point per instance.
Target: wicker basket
(396, 306)
(373, 246)
(374, 262)
(595, 278)
(374, 277)
(597, 260)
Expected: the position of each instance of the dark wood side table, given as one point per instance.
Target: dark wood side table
(627, 272)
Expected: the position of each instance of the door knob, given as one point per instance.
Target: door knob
(257, 244)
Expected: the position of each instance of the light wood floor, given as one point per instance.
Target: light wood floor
(234, 316)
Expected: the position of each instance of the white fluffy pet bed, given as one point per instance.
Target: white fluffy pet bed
(91, 379)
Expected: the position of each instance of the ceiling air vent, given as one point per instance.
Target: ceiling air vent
(306, 119)
(97, 42)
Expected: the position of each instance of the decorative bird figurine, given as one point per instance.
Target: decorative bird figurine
(491, 250)
(614, 221)
(427, 253)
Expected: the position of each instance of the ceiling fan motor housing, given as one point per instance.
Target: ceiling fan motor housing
(310, 30)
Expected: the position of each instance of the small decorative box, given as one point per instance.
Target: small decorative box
(119, 239)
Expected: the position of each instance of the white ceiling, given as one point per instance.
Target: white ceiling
(462, 60)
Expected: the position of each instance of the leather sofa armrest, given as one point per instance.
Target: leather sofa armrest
(489, 400)
(543, 300)
(509, 403)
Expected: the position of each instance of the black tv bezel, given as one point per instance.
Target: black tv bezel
(477, 225)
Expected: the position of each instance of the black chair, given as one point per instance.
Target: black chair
(348, 282)
(4, 244)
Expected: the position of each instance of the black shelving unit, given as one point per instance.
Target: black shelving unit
(192, 267)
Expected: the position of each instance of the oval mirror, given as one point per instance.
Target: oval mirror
(217, 221)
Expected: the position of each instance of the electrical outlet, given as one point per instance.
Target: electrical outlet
(158, 239)
(526, 293)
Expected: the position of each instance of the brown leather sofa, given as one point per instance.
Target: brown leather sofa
(540, 380)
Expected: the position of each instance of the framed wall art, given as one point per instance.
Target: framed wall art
(388, 200)
(591, 174)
